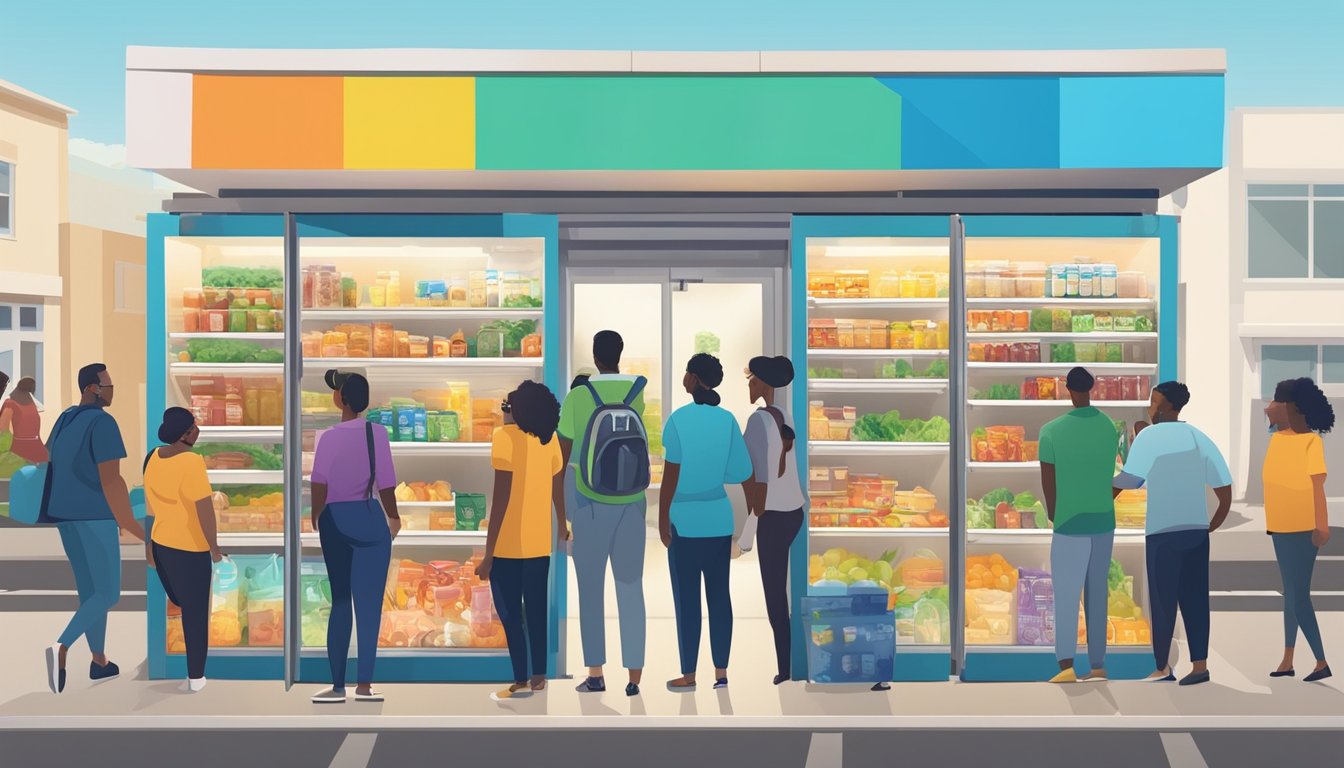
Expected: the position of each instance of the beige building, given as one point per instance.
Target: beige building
(33, 208)
(1262, 272)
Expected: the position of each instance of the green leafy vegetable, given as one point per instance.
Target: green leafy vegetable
(937, 370)
(242, 277)
(1024, 500)
(997, 496)
(262, 458)
(230, 351)
(1115, 576)
(979, 515)
(869, 428)
(1003, 392)
(522, 302)
(514, 331)
(1042, 321)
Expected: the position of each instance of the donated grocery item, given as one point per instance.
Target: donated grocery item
(852, 283)
(226, 623)
(990, 572)
(989, 617)
(490, 343)
(419, 347)
(457, 345)
(1035, 608)
(470, 511)
(531, 345)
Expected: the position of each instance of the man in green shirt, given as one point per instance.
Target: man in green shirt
(1078, 452)
(605, 527)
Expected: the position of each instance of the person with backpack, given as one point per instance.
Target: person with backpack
(703, 451)
(353, 461)
(85, 496)
(184, 541)
(603, 415)
(774, 495)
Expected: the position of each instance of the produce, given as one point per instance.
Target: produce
(225, 456)
(522, 302)
(1002, 392)
(230, 351)
(514, 330)
(938, 369)
(990, 572)
(891, 428)
(827, 373)
(242, 277)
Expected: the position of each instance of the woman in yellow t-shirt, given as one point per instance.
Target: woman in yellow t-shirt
(1295, 510)
(183, 545)
(528, 480)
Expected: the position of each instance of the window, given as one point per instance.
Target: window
(30, 364)
(1323, 363)
(6, 198)
(6, 318)
(1295, 231)
(29, 319)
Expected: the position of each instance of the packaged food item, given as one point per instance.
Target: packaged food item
(977, 352)
(1061, 321)
(1085, 352)
(1085, 276)
(470, 511)
(403, 344)
(821, 284)
(349, 291)
(531, 345)
(852, 283)
(993, 283)
(900, 336)
(1031, 279)
(457, 345)
(439, 346)
(491, 288)
(378, 295)
(975, 282)
(335, 344)
(393, 288)
(238, 318)
(384, 340)
(888, 285)
(845, 333)
(1082, 322)
(419, 346)
(359, 342)
(1132, 285)
(1109, 281)
(476, 289)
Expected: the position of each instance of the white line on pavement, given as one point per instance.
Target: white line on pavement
(826, 750)
(62, 592)
(1182, 752)
(355, 751)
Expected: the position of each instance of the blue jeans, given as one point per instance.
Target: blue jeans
(1080, 564)
(95, 557)
(1178, 576)
(615, 533)
(1297, 559)
(518, 586)
(689, 559)
(357, 547)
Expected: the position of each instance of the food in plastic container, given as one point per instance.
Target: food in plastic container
(1082, 322)
(852, 283)
(1061, 321)
(1132, 285)
(989, 617)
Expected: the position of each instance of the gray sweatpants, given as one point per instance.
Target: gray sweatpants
(605, 532)
(1080, 564)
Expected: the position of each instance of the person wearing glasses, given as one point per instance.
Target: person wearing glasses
(352, 462)
(526, 457)
(87, 499)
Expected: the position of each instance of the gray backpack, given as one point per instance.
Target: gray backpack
(614, 457)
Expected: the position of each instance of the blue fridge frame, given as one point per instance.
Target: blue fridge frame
(1021, 664)
(269, 663)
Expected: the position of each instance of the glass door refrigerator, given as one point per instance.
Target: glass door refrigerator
(444, 315)
(876, 391)
(1045, 294)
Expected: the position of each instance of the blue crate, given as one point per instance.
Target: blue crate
(849, 640)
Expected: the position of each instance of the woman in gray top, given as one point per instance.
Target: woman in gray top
(775, 494)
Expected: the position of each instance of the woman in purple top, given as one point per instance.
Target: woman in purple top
(353, 458)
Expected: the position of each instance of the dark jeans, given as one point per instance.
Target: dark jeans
(1297, 559)
(186, 580)
(1178, 576)
(689, 559)
(775, 533)
(518, 586)
(357, 547)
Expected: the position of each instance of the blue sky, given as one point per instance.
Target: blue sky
(1280, 52)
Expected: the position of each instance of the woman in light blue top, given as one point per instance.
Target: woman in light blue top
(704, 451)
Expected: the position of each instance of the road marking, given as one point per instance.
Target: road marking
(1182, 752)
(63, 592)
(356, 751)
(826, 750)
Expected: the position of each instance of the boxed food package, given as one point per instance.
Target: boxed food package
(471, 511)
(226, 620)
(1035, 608)
(989, 617)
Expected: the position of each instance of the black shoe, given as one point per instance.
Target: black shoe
(1195, 678)
(631, 689)
(722, 682)
(106, 672)
(782, 677)
(1284, 673)
(1318, 675)
(592, 685)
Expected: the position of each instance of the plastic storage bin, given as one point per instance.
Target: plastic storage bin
(850, 639)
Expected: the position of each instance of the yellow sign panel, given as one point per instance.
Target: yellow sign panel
(396, 123)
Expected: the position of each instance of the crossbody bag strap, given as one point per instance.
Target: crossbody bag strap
(373, 465)
(785, 439)
(56, 431)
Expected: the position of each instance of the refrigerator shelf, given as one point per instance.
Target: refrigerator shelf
(910, 386)
(440, 449)
(421, 363)
(880, 532)
(1004, 466)
(876, 303)
(1093, 336)
(257, 540)
(1138, 368)
(228, 336)
(1002, 534)
(877, 354)
(1049, 303)
(245, 477)
(370, 314)
(1054, 403)
(236, 369)
(852, 448)
(242, 434)
(321, 651)
(1041, 649)
(420, 538)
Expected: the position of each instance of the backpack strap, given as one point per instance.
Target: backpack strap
(373, 466)
(786, 435)
(635, 389)
(593, 391)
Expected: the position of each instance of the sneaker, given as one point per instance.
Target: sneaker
(592, 685)
(1095, 676)
(722, 682)
(1318, 676)
(373, 697)
(1195, 678)
(329, 696)
(631, 689)
(105, 672)
(192, 685)
(55, 674)
(1065, 676)
(515, 691)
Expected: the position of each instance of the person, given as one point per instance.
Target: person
(606, 528)
(703, 450)
(775, 495)
(1295, 509)
(352, 460)
(1176, 461)
(1078, 453)
(19, 416)
(528, 479)
(87, 499)
(184, 544)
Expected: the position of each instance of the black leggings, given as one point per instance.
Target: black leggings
(186, 580)
(775, 534)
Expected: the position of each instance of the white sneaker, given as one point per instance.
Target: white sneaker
(329, 696)
(192, 685)
(55, 675)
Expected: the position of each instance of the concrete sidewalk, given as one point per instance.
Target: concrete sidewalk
(1241, 696)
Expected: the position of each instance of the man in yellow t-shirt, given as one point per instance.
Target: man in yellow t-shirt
(526, 457)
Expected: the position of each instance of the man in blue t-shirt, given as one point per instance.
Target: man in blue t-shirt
(88, 502)
(1177, 462)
